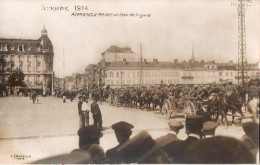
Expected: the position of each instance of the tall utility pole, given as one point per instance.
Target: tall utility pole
(141, 65)
(64, 81)
(119, 74)
(192, 55)
(241, 6)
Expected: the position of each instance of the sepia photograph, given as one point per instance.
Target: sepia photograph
(129, 82)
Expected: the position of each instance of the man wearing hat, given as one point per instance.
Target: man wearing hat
(96, 113)
(176, 149)
(142, 148)
(123, 132)
(80, 112)
(251, 137)
(209, 129)
(175, 127)
(89, 137)
(171, 138)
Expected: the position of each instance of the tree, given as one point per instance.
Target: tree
(16, 78)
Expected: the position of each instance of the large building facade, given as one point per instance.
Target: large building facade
(33, 56)
(120, 74)
(125, 69)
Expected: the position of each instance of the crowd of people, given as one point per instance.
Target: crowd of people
(200, 147)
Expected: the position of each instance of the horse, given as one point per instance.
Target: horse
(217, 107)
(133, 99)
(156, 101)
(148, 100)
(233, 102)
(141, 100)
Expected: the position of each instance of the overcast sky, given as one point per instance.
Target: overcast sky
(211, 25)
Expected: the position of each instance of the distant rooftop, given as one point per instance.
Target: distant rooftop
(117, 49)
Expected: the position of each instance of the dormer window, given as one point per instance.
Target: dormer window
(4, 47)
(21, 48)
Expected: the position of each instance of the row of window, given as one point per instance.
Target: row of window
(21, 48)
(228, 74)
(21, 58)
(129, 82)
(144, 74)
(163, 74)
(21, 66)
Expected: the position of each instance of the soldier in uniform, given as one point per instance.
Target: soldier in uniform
(229, 89)
(123, 132)
(96, 113)
(204, 94)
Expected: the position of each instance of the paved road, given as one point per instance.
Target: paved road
(50, 127)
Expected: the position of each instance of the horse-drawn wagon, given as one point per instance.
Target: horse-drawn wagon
(177, 107)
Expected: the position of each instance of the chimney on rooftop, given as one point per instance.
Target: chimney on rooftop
(175, 61)
(145, 60)
(231, 62)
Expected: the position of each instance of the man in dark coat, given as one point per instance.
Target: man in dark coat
(171, 138)
(123, 132)
(176, 149)
(96, 113)
(175, 127)
(218, 150)
(80, 112)
(34, 96)
(89, 148)
(79, 105)
(251, 137)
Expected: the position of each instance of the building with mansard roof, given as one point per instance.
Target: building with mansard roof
(152, 73)
(33, 56)
(116, 53)
(120, 72)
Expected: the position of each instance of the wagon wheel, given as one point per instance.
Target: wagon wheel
(166, 109)
(189, 108)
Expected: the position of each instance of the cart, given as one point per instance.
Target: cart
(177, 107)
